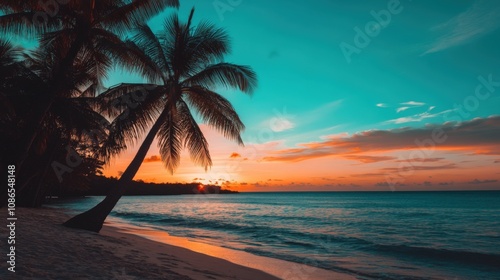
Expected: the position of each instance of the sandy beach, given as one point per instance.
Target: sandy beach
(47, 250)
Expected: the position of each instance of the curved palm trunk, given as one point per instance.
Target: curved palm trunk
(93, 219)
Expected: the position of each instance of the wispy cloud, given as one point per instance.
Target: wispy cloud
(413, 103)
(401, 109)
(281, 124)
(480, 19)
(283, 120)
(327, 107)
(419, 117)
(278, 123)
(402, 106)
(408, 105)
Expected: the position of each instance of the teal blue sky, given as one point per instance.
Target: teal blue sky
(425, 61)
(348, 92)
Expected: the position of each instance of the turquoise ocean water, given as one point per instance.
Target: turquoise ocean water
(372, 235)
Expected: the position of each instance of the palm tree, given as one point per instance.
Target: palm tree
(92, 26)
(186, 65)
(10, 70)
(69, 119)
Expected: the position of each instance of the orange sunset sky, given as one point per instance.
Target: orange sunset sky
(369, 160)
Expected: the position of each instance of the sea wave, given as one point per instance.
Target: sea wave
(425, 253)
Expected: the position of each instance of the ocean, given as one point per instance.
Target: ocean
(371, 235)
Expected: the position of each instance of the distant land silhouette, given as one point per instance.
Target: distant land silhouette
(101, 185)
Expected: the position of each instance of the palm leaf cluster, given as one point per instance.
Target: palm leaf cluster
(186, 65)
(53, 97)
(47, 94)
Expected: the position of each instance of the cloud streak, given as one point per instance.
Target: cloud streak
(368, 159)
(418, 117)
(477, 181)
(409, 105)
(480, 19)
(413, 103)
(419, 168)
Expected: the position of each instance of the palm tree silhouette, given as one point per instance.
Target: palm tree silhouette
(70, 118)
(91, 26)
(186, 65)
(10, 70)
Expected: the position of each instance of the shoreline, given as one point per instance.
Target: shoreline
(47, 250)
(275, 267)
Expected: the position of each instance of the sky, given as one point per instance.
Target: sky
(353, 95)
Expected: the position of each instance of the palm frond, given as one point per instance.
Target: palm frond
(137, 61)
(170, 142)
(193, 136)
(116, 99)
(133, 119)
(150, 45)
(9, 53)
(78, 116)
(216, 111)
(174, 39)
(31, 23)
(225, 74)
(209, 44)
(134, 13)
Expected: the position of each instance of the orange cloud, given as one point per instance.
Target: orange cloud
(419, 168)
(154, 158)
(235, 155)
(362, 175)
(368, 159)
(481, 136)
(422, 160)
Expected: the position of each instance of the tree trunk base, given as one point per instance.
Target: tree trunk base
(87, 221)
(93, 219)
